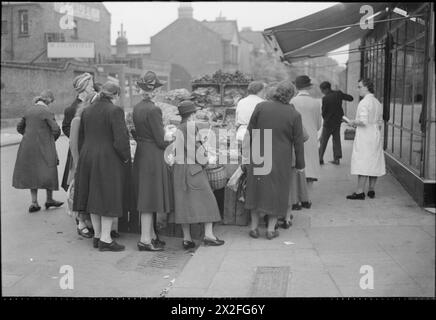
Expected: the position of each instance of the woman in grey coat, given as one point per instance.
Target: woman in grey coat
(37, 160)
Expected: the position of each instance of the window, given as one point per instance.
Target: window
(23, 20)
(55, 37)
(4, 27)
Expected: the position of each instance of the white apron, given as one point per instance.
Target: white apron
(367, 158)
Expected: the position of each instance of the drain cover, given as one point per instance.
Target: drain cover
(165, 260)
(270, 282)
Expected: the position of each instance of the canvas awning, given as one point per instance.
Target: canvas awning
(321, 32)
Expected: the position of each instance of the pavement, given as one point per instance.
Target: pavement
(320, 256)
(323, 252)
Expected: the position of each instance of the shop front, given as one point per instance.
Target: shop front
(397, 53)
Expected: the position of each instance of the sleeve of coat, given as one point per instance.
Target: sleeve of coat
(21, 126)
(346, 97)
(69, 114)
(74, 140)
(120, 134)
(323, 108)
(54, 127)
(318, 115)
(298, 141)
(157, 129)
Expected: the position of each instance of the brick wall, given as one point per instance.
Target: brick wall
(44, 19)
(188, 43)
(23, 83)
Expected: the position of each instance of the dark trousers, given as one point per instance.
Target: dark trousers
(324, 139)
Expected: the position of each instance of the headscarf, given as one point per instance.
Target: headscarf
(82, 81)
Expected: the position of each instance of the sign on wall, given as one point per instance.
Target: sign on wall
(79, 10)
(70, 50)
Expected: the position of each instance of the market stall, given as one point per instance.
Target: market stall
(217, 96)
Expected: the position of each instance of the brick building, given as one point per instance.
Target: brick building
(199, 47)
(28, 26)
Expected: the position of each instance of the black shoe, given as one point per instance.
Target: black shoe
(34, 207)
(356, 196)
(113, 246)
(53, 203)
(321, 162)
(114, 234)
(188, 244)
(286, 224)
(158, 242)
(306, 204)
(95, 242)
(296, 206)
(213, 242)
(148, 247)
(371, 194)
(336, 162)
(81, 232)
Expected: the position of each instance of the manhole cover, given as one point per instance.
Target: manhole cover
(270, 282)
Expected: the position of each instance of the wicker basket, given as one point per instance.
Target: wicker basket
(217, 176)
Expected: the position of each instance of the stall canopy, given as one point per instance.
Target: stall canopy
(321, 32)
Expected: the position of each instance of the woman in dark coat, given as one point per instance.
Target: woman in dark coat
(104, 152)
(150, 172)
(84, 86)
(194, 201)
(37, 160)
(267, 190)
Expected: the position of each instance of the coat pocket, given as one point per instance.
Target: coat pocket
(196, 178)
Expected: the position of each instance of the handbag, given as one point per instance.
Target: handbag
(217, 176)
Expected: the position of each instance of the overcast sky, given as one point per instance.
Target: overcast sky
(142, 20)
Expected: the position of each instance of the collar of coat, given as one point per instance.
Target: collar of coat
(40, 103)
(303, 93)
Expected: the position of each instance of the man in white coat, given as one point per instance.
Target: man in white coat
(310, 110)
(367, 158)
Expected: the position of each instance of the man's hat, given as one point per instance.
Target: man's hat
(149, 81)
(303, 82)
(186, 107)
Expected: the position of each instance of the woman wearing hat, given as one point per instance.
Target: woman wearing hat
(104, 154)
(151, 174)
(37, 160)
(83, 84)
(310, 110)
(194, 201)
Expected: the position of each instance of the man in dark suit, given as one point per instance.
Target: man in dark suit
(332, 114)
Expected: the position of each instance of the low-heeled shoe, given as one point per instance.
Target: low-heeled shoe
(34, 208)
(254, 233)
(188, 244)
(306, 204)
(84, 234)
(113, 246)
(271, 235)
(148, 247)
(356, 196)
(286, 224)
(213, 242)
(158, 242)
(53, 203)
(296, 206)
(371, 194)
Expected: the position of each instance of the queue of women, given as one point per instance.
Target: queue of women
(99, 159)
